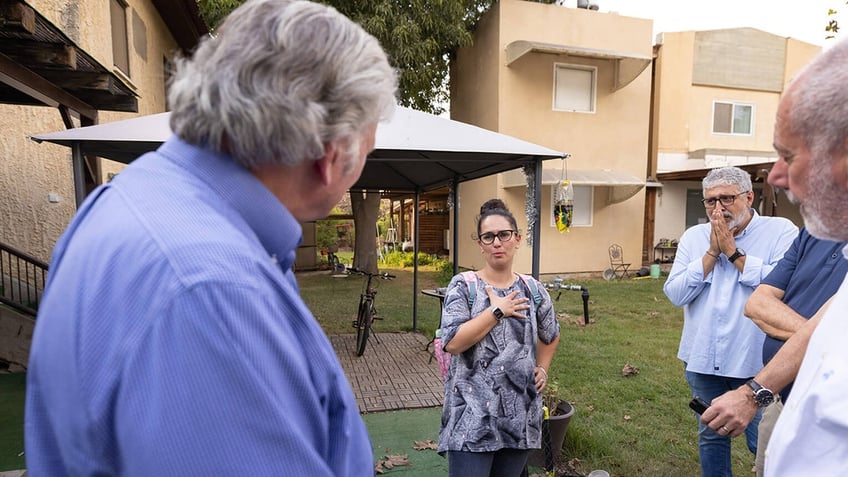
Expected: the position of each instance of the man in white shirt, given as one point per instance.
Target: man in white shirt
(811, 138)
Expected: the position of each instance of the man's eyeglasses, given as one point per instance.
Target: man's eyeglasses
(725, 200)
(488, 238)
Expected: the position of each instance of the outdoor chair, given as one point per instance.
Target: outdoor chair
(618, 267)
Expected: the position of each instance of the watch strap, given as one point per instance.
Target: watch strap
(738, 253)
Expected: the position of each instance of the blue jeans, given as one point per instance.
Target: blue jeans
(714, 449)
(502, 463)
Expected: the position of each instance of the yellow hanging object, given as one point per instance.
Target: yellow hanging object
(564, 206)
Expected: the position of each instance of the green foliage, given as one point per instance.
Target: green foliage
(444, 273)
(399, 259)
(419, 36)
(213, 11)
(832, 27)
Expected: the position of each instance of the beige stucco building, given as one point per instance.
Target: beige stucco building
(577, 81)
(716, 95)
(63, 64)
(131, 41)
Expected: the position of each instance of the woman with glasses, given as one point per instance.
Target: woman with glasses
(502, 332)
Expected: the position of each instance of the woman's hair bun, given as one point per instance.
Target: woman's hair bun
(493, 204)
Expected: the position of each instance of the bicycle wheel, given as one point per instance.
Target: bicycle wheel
(363, 325)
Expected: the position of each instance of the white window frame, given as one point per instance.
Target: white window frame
(584, 196)
(593, 93)
(733, 105)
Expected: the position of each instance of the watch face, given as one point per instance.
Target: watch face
(764, 397)
(498, 313)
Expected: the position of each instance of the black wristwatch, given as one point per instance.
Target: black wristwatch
(498, 313)
(738, 253)
(762, 396)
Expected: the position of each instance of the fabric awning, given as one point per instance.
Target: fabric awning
(627, 65)
(622, 185)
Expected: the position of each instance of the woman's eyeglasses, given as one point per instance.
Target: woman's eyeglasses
(726, 200)
(488, 238)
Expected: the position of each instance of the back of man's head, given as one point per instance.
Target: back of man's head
(819, 113)
(280, 80)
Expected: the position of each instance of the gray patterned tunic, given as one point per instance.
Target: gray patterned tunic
(490, 396)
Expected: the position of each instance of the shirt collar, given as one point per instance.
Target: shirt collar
(277, 230)
(755, 218)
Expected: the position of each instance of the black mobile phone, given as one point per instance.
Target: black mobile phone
(698, 405)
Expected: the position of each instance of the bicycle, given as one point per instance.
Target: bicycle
(367, 311)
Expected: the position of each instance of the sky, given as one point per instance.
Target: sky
(801, 19)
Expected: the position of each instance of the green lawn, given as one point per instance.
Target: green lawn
(639, 425)
(630, 426)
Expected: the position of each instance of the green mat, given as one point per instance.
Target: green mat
(395, 433)
(12, 394)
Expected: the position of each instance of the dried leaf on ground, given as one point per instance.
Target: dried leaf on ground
(425, 445)
(629, 370)
(390, 462)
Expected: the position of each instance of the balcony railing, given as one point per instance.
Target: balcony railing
(22, 280)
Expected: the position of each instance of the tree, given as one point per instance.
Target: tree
(419, 37)
(832, 27)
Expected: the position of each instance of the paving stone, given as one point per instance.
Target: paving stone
(394, 373)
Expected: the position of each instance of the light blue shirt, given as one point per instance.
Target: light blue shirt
(172, 339)
(717, 338)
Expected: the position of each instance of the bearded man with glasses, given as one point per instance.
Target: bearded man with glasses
(717, 266)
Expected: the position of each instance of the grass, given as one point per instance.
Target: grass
(630, 426)
(12, 387)
(334, 301)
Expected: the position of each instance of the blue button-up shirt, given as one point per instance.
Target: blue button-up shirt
(172, 340)
(717, 338)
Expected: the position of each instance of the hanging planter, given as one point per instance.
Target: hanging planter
(564, 206)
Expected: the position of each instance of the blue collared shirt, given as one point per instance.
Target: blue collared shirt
(809, 274)
(717, 338)
(172, 339)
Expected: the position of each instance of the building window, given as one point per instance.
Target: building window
(574, 88)
(733, 118)
(120, 38)
(582, 216)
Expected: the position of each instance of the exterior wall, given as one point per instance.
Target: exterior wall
(475, 76)
(684, 110)
(671, 202)
(684, 103)
(614, 137)
(29, 172)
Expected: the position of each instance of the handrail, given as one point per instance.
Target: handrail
(22, 280)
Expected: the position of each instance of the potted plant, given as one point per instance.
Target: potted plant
(559, 415)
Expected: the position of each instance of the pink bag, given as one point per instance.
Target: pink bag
(442, 356)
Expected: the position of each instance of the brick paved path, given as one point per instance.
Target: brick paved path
(392, 374)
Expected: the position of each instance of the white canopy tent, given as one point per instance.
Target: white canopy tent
(414, 152)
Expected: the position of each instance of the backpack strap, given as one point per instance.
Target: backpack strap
(534, 290)
(470, 278)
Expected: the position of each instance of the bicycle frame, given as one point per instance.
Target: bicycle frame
(367, 311)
